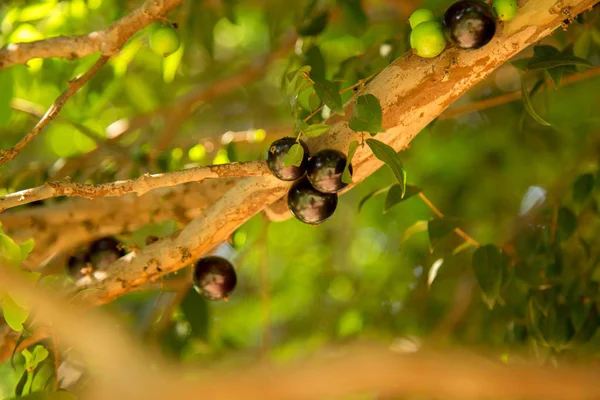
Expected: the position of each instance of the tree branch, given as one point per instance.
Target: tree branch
(107, 41)
(139, 186)
(412, 92)
(74, 86)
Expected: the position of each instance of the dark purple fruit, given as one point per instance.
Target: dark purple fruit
(309, 205)
(104, 252)
(325, 170)
(276, 154)
(214, 278)
(470, 24)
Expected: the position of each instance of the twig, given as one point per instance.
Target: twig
(139, 186)
(514, 96)
(458, 231)
(74, 86)
(107, 41)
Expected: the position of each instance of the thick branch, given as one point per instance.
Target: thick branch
(107, 41)
(74, 86)
(139, 186)
(412, 92)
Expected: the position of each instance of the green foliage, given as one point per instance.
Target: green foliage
(367, 115)
(346, 176)
(390, 157)
(294, 156)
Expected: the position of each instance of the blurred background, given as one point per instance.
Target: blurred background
(365, 275)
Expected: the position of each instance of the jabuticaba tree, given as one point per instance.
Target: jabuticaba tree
(480, 229)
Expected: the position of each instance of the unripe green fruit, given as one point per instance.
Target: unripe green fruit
(505, 9)
(164, 41)
(419, 16)
(428, 40)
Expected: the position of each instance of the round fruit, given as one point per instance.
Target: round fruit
(325, 169)
(276, 155)
(419, 16)
(427, 39)
(505, 9)
(470, 24)
(104, 251)
(164, 41)
(309, 205)
(214, 278)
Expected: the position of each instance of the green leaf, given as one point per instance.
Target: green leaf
(439, 228)
(315, 130)
(294, 156)
(567, 223)
(367, 115)
(389, 156)
(371, 195)
(417, 227)
(315, 25)
(26, 248)
(14, 314)
(583, 187)
(529, 106)
(395, 195)
(559, 60)
(545, 50)
(10, 252)
(521, 64)
(346, 175)
(330, 96)
(488, 265)
(38, 355)
(315, 59)
(196, 311)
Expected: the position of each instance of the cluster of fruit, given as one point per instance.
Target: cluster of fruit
(313, 197)
(468, 24)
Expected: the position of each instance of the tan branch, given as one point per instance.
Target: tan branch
(74, 86)
(139, 186)
(412, 92)
(107, 41)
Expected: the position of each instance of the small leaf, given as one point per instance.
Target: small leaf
(371, 195)
(466, 244)
(389, 156)
(330, 96)
(21, 384)
(560, 60)
(583, 187)
(529, 106)
(395, 196)
(315, 130)
(488, 265)
(441, 227)
(567, 223)
(367, 115)
(315, 59)
(294, 156)
(346, 176)
(521, 64)
(39, 354)
(419, 226)
(14, 314)
(10, 252)
(433, 271)
(26, 248)
(545, 50)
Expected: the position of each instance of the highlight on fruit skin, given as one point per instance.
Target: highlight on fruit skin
(419, 16)
(428, 40)
(470, 24)
(505, 9)
(325, 169)
(276, 155)
(214, 278)
(309, 205)
(165, 40)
